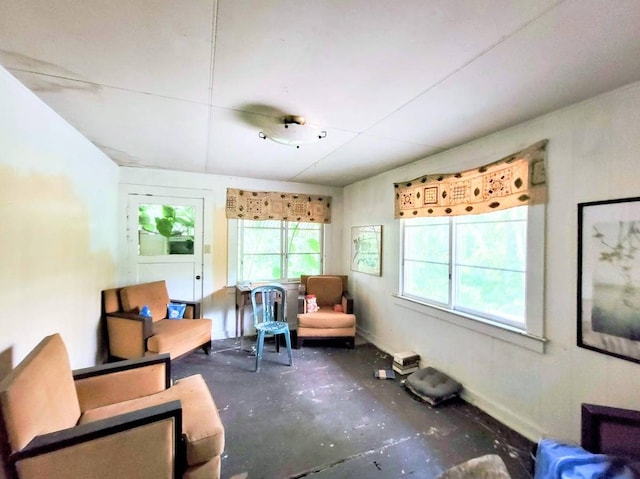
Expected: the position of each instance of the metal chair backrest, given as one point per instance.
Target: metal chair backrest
(269, 303)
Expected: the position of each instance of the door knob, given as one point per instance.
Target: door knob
(198, 277)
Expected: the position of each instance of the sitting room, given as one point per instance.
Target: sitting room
(466, 173)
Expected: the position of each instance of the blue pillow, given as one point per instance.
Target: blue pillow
(176, 310)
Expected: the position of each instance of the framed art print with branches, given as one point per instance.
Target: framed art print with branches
(609, 277)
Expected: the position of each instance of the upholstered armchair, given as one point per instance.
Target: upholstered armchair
(334, 318)
(113, 421)
(132, 335)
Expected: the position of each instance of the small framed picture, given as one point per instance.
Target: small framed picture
(366, 249)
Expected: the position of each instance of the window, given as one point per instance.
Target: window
(475, 264)
(165, 229)
(278, 250)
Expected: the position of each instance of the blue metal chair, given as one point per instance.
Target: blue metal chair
(270, 317)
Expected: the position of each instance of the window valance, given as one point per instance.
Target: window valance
(516, 180)
(272, 205)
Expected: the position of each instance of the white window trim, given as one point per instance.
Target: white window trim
(532, 337)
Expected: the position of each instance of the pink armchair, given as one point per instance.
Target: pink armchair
(334, 318)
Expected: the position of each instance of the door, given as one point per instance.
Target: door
(164, 241)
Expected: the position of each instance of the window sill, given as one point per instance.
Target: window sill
(479, 325)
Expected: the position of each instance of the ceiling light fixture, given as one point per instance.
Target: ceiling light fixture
(293, 131)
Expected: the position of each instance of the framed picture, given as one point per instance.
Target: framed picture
(366, 249)
(609, 277)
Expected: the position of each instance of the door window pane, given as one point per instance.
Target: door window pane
(165, 229)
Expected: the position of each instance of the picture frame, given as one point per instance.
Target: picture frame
(366, 249)
(608, 319)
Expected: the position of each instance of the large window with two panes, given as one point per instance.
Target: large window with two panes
(273, 250)
(475, 265)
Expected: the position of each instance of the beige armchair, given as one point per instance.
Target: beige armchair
(110, 422)
(131, 335)
(334, 318)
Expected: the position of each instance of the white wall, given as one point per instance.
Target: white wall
(594, 154)
(219, 297)
(58, 241)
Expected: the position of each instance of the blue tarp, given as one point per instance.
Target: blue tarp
(555, 460)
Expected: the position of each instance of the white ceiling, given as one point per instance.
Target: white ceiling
(185, 85)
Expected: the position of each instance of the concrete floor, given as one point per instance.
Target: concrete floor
(329, 417)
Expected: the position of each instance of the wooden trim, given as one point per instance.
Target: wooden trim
(126, 365)
(603, 423)
(55, 441)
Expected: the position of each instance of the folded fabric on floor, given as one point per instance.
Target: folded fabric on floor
(432, 386)
(490, 466)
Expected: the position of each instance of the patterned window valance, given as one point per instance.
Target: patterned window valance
(271, 205)
(516, 180)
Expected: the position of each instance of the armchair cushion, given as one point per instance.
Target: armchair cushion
(153, 294)
(41, 382)
(170, 334)
(327, 318)
(203, 431)
(327, 289)
(115, 382)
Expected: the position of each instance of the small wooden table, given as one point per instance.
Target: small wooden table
(243, 297)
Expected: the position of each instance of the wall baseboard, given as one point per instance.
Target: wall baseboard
(492, 408)
(506, 417)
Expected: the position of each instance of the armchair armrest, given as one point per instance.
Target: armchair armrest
(116, 382)
(147, 323)
(347, 302)
(69, 453)
(193, 309)
(128, 333)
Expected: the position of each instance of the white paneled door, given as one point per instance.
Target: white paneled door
(164, 241)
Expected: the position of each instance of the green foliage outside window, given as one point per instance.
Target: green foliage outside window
(175, 223)
(278, 250)
(475, 263)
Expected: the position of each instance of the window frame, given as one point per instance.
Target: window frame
(531, 335)
(283, 254)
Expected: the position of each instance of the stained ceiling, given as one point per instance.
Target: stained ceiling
(188, 85)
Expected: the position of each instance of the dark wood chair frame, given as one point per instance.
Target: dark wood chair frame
(147, 323)
(58, 440)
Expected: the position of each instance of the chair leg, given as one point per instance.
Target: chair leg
(287, 338)
(259, 349)
(207, 348)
